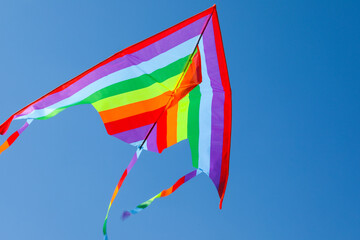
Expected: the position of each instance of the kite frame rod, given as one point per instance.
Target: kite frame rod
(182, 75)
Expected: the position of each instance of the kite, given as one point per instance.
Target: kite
(165, 89)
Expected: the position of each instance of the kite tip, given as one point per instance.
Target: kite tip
(125, 215)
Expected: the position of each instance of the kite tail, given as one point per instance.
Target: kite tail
(163, 193)
(127, 170)
(14, 136)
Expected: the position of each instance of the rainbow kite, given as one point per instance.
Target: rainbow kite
(170, 87)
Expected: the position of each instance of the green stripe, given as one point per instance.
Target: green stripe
(145, 204)
(104, 227)
(143, 81)
(55, 112)
(193, 124)
(137, 83)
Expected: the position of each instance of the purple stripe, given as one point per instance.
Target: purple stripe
(23, 128)
(138, 57)
(190, 175)
(152, 140)
(217, 108)
(133, 135)
(132, 162)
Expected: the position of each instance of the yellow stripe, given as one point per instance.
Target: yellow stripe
(114, 195)
(183, 109)
(135, 96)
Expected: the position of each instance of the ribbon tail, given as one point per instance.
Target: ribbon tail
(164, 193)
(14, 136)
(126, 172)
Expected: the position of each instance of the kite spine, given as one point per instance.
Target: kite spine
(183, 73)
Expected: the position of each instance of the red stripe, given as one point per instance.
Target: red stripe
(122, 179)
(163, 34)
(13, 137)
(133, 122)
(227, 108)
(128, 50)
(161, 132)
(5, 126)
(179, 182)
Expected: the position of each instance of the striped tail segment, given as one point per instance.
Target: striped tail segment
(163, 193)
(14, 136)
(118, 186)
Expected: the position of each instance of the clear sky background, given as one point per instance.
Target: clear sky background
(295, 157)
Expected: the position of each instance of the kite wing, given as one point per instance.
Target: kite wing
(167, 88)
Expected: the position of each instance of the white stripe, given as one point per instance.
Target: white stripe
(160, 61)
(204, 115)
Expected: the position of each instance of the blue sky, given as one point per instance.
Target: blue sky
(295, 157)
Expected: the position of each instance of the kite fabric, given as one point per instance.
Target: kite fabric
(167, 88)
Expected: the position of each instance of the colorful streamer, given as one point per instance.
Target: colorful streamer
(163, 193)
(118, 186)
(14, 136)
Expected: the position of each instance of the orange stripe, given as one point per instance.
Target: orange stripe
(172, 125)
(4, 146)
(114, 195)
(166, 192)
(135, 108)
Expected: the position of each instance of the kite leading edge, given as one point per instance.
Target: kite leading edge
(167, 88)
